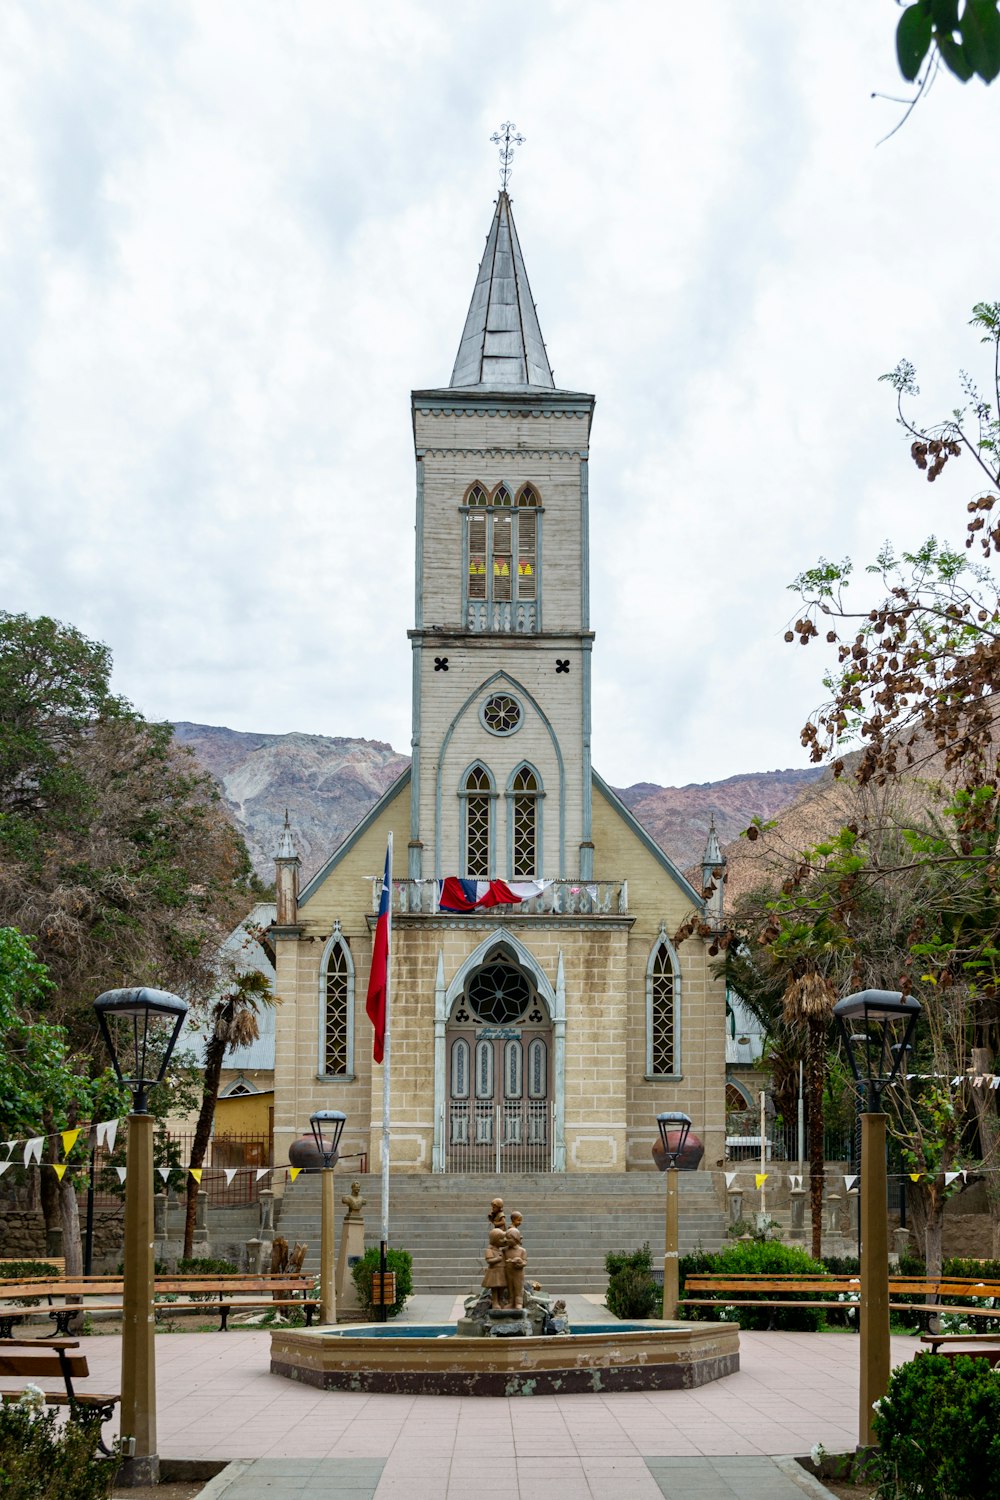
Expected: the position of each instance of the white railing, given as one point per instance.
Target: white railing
(503, 617)
(490, 1139)
(572, 898)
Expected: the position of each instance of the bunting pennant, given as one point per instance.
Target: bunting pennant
(10, 1148)
(996, 1081)
(59, 1168)
(759, 1179)
(33, 1150)
(293, 1172)
(914, 1176)
(3, 1167)
(849, 1182)
(107, 1132)
(795, 1183)
(121, 1173)
(261, 1172)
(230, 1174)
(69, 1139)
(164, 1173)
(196, 1173)
(730, 1179)
(950, 1177)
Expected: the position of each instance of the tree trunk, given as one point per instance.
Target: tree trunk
(215, 1051)
(48, 1190)
(69, 1214)
(815, 1055)
(984, 1102)
(927, 1214)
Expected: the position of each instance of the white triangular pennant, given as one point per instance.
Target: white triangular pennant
(956, 1081)
(965, 1175)
(730, 1179)
(164, 1172)
(230, 1174)
(995, 1082)
(796, 1183)
(33, 1150)
(261, 1172)
(849, 1182)
(4, 1165)
(949, 1178)
(10, 1148)
(121, 1173)
(107, 1131)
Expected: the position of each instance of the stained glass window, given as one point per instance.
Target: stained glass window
(661, 997)
(525, 789)
(502, 537)
(478, 804)
(338, 995)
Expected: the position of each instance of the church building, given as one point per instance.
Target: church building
(541, 1016)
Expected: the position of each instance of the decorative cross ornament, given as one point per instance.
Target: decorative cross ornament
(508, 140)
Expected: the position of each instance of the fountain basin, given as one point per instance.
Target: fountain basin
(430, 1359)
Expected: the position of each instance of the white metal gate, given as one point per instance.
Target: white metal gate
(487, 1137)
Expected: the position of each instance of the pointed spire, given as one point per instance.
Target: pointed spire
(286, 847)
(712, 857)
(502, 343)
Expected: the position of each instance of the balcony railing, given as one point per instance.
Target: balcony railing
(570, 898)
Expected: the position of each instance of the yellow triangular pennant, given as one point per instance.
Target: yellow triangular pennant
(759, 1179)
(59, 1168)
(293, 1172)
(196, 1173)
(914, 1176)
(68, 1138)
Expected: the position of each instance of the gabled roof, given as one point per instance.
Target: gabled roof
(357, 832)
(502, 343)
(644, 837)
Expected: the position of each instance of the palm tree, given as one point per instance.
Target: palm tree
(233, 1022)
(808, 1006)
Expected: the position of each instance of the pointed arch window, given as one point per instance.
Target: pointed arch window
(502, 558)
(336, 1010)
(662, 1010)
(524, 832)
(478, 793)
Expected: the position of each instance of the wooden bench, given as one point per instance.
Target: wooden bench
(816, 1291)
(47, 1359)
(172, 1294)
(937, 1339)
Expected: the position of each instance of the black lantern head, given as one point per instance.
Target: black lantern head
(879, 1047)
(140, 1028)
(674, 1127)
(327, 1128)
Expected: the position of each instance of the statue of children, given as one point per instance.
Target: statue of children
(515, 1259)
(496, 1214)
(495, 1276)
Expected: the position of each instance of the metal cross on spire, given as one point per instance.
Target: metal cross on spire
(508, 140)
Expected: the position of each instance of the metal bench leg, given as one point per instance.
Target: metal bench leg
(309, 1310)
(223, 1319)
(6, 1327)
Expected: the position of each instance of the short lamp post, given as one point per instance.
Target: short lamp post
(140, 1028)
(674, 1128)
(327, 1127)
(876, 1026)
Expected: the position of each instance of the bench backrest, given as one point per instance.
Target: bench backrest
(28, 1363)
(113, 1286)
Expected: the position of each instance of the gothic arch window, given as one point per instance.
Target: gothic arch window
(524, 792)
(336, 1008)
(477, 793)
(502, 559)
(662, 1010)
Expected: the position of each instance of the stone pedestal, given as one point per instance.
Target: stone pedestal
(160, 1216)
(201, 1222)
(901, 1242)
(54, 1241)
(254, 1250)
(735, 1198)
(266, 1229)
(349, 1252)
(508, 1323)
(797, 1203)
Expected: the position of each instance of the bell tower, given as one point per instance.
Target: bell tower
(501, 778)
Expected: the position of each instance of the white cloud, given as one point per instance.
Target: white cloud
(234, 237)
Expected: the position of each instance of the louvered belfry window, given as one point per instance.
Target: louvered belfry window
(335, 1033)
(478, 802)
(524, 789)
(662, 1028)
(502, 538)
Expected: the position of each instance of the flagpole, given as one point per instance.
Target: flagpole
(383, 1249)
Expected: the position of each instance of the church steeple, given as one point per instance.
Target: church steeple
(502, 344)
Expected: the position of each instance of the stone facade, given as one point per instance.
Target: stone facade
(544, 1035)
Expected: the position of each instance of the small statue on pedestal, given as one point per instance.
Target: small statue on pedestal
(495, 1215)
(353, 1202)
(495, 1276)
(514, 1260)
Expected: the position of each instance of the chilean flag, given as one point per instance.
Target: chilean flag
(457, 894)
(378, 980)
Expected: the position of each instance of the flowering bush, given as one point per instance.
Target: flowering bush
(43, 1460)
(938, 1427)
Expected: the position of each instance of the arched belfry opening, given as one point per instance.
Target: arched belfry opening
(499, 1109)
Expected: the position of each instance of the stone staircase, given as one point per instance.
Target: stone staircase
(571, 1221)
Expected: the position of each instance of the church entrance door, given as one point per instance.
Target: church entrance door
(499, 1049)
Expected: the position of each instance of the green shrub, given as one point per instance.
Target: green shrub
(761, 1257)
(400, 1261)
(43, 1460)
(204, 1265)
(938, 1427)
(632, 1292)
(21, 1270)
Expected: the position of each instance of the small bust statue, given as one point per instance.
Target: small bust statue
(495, 1275)
(516, 1219)
(496, 1214)
(514, 1260)
(354, 1202)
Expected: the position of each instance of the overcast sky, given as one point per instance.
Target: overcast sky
(235, 234)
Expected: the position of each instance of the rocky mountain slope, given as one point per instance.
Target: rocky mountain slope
(328, 784)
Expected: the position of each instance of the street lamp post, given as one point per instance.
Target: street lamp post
(886, 1019)
(140, 1028)
(327, 1127)
(674, 1128)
